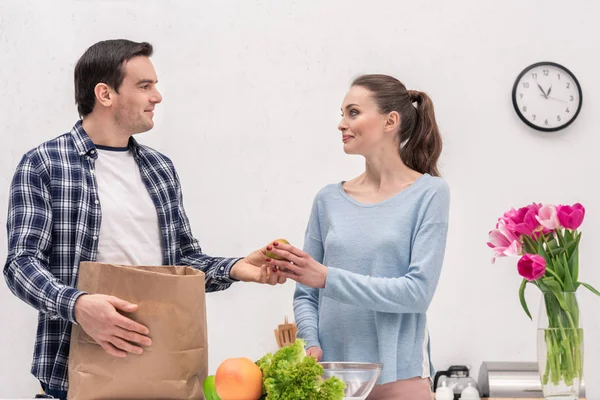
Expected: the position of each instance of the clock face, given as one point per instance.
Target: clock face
(547, 96)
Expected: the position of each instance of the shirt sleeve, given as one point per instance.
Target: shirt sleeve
(306, 299)
(29, 229)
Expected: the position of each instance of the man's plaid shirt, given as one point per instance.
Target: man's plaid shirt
(53, 224)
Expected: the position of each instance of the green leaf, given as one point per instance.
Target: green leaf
(567, 276)
(568, 236)
(542, 252)
(560, 238)
(590, 288)
(557, 290)
(529, 245)
(569, 287)
(522, 298)
(542, 286)
(550, 265)
(552, 243)
(548, 253)
(553, 274)
(556, 252)
(540, 247)
(559, 269)
(574, 259)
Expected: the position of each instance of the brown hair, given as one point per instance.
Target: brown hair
(420, 139)
(103, 62)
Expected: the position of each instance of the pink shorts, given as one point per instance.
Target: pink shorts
(406, 389)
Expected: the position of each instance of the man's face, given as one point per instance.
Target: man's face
(134, 104)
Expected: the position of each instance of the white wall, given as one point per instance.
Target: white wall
(252, 90)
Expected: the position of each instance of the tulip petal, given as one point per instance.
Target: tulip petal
(497, 239)
(514, 249)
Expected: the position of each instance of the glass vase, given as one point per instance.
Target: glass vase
(560, 346)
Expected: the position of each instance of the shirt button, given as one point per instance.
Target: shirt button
(92, 172)
(222, 268)
(96, 202)
(93, 151)
(95, 237)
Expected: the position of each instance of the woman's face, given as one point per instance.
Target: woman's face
(363, 126)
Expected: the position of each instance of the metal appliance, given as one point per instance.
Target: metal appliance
(512, 380)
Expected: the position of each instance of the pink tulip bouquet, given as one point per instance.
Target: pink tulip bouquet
(546, 238)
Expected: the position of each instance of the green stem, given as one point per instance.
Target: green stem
(530, 245)
(561, 239)
(563, 342)
(548, 360)
(545, 239)
(554, 274)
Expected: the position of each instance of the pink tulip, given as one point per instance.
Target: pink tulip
(571, 217)
(548, 217)
(531, 266)
(503, 242)
(513, 217)
(522, 221)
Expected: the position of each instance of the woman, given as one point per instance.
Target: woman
(375, 244)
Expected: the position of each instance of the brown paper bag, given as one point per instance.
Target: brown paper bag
(172, 305)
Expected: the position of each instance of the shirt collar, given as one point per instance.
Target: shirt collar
(84, 145)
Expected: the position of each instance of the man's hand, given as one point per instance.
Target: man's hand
(257, 257)
(253, 268)
(118, 335)
(246, 272)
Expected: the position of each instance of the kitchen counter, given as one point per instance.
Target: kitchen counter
(508, 398)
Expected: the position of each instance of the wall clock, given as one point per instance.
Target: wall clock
(547, 96)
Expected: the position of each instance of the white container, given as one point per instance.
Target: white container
(444, 392)
(469, 393)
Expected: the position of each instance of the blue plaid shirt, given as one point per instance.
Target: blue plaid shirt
(53, 224)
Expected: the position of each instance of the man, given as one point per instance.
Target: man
(95, 194)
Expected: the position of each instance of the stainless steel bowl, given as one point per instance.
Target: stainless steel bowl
(359, 377)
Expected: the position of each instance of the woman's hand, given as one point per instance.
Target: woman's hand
(315, 352)
(297, 265)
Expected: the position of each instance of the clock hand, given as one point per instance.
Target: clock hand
(554, 98)
(549, 89)
(543, 91)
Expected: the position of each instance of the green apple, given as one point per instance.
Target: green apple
(210, 392)
(273, 255)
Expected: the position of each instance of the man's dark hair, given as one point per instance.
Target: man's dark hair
(103, 63)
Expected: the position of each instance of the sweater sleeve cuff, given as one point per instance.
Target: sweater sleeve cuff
(312, 343)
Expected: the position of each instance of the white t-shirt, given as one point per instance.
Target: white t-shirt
(129, 230)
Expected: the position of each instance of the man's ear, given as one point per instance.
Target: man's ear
(392, 122)
(104, 94)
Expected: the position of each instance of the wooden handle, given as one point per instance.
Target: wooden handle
(278, 338)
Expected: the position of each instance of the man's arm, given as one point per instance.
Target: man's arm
(28, 276)
(29, 229)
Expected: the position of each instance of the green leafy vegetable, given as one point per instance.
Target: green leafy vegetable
(290, 375)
